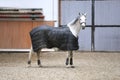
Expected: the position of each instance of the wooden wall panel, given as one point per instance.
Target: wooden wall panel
(3, 36)
(15, 34)
(37, 23)
(25, 28)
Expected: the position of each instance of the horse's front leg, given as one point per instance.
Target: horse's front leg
(38, 58)
(69, 60)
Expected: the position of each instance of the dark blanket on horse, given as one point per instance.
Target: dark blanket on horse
(49, 37)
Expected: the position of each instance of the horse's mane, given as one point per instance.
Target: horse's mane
(74, 21)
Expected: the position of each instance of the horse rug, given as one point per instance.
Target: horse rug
(49, 37)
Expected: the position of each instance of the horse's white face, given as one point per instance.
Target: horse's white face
(76, 24)
(83, 20)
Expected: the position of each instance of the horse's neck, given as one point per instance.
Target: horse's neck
(74, 28)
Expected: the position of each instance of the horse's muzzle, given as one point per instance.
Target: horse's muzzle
(83, 28)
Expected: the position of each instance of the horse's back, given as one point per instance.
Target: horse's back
(40, 28)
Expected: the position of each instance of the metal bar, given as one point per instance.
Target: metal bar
(14, 50)
(107, 26)
(25, 50)
(99, 26)
(93, 26)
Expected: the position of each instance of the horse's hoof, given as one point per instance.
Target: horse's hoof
(67, 66)
(29, 66)
(70, 66)
(40, 66)
(29, 62)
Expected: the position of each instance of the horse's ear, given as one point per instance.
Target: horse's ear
(85, 14)
(79, 13)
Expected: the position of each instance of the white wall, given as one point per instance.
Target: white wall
(50, 7)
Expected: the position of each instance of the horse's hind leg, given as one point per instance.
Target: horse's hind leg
(30, 55)
(38, 58)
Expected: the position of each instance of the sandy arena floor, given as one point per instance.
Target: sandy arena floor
(88, 66)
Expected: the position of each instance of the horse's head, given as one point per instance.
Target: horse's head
(82, 20)
(76, 24)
